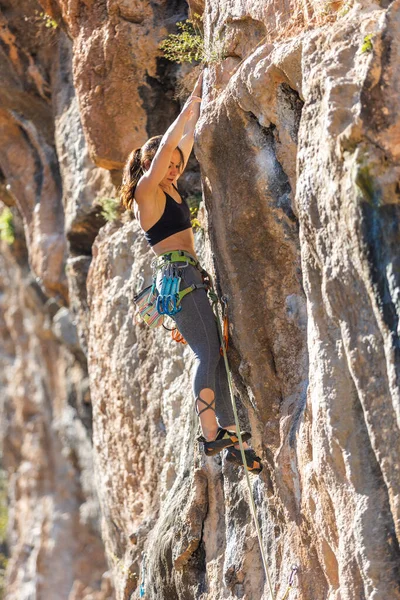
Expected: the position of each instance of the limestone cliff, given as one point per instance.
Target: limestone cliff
(299, 151)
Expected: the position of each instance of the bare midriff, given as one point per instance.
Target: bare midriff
(183, 240)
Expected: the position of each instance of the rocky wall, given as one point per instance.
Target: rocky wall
(298, 146)
(55, 550)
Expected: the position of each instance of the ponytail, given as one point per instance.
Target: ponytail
(132, 173)
(134, 170)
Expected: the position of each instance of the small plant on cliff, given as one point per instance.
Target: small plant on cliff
(194, 204)
(367, 43)
(109, 208)
(49, 22)
(124, 570)
(185, 46)
(7, 232)
(189, 46)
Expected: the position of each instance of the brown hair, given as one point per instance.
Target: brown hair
(133, 169)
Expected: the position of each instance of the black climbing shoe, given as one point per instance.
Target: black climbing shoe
(233, 455)
(223, 440)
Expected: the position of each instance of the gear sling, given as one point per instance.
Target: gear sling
(152, 306)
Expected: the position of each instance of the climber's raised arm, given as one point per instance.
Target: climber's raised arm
(175, 134)
(186, 143)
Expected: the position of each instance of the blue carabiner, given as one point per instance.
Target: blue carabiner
(166, 304)
(159, 305)
(168, 284)
(176, 307)
(175, 285)
(167, 308)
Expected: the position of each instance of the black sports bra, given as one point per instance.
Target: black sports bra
(175, 218)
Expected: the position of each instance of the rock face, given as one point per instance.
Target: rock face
(298, 144)
(56, 550)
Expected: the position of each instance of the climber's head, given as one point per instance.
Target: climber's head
(139, 162)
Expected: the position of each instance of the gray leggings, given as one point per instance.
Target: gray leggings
(196, 322)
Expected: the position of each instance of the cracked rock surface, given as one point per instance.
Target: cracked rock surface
(298, 144)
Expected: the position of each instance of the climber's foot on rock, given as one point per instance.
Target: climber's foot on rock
(223, 439)
(234, 456)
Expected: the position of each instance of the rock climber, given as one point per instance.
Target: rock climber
(149, 188)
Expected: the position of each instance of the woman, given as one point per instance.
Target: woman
(150, 175)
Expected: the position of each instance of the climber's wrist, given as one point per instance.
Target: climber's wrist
(197, 90)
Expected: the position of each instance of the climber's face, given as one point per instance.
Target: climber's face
(174, 168)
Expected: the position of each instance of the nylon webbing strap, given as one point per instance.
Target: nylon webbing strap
(191, 288)
(252, 503)
(175, 256)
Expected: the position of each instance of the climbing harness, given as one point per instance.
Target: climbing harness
(173, 265)
(142, 589)
(171, 296)
(153, 306)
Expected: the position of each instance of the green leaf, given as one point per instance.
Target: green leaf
(367, 44)
(188, 45)
(109, 208)
(7, 231)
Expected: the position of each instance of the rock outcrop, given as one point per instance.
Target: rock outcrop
(298, 146)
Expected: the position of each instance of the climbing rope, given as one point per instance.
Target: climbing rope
(168, 303)
(214, 299)
(223, 334)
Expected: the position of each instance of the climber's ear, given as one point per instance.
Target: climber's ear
(146, 164)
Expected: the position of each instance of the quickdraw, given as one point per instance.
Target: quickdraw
(291, 580)
(169, 299)
(170, 296)
(142, 589)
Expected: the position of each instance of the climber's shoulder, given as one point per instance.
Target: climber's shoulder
(149, 200)
(146, 191)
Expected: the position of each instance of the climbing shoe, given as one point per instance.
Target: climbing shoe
(233, 455)
(223, 440)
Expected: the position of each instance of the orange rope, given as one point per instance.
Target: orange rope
(177, 337)
(225, 333)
